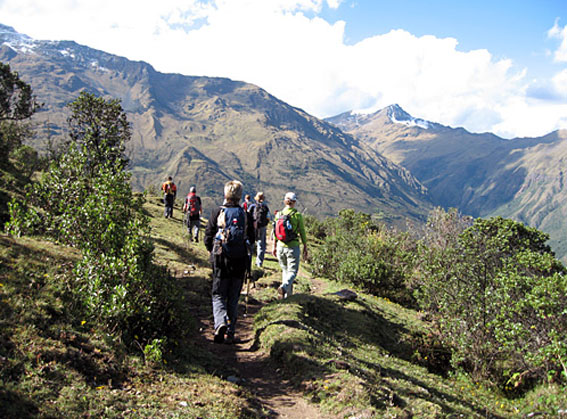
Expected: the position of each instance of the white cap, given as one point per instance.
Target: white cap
(291, 196)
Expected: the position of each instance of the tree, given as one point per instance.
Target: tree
(498, 296)
(17, 104)
(85, 200)
(101, 129)
(356, 249)
(16, 100)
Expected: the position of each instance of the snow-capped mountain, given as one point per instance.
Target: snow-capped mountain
(393, 114)
(399, 116)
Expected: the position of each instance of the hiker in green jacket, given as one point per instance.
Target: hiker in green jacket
(289, 229)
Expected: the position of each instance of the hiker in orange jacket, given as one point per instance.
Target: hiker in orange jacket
(169, 193)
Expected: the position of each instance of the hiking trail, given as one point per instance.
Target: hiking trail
(277, 396)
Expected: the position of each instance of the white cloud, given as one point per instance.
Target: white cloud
(560, 33)
(283, 47)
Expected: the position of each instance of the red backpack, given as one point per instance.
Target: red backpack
(284, 229)
(194, 206)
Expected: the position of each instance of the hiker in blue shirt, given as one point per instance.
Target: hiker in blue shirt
(228, 234)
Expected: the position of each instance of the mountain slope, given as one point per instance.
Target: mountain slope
(205, 131)
(481, 174)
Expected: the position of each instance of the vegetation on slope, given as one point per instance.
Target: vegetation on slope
(351, 354)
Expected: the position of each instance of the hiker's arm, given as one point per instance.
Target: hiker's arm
(211, 229)
(274, 243)
(251, 233)
(303, 237)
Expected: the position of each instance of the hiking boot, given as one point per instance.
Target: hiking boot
(231, 340)
(219, 333)
(281, 293)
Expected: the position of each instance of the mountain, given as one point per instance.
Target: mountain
(480, 174)
(206, 131)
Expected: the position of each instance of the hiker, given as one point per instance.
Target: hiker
(289, 228)
(261, 216)
(246, 204)
(229, 232)
(169, 193)
(194, 209)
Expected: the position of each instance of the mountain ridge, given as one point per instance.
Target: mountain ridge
(205, 131)
(480, 174)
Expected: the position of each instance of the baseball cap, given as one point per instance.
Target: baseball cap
(291, 196)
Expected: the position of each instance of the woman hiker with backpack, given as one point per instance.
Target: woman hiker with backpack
(228, 234)
(289, 228)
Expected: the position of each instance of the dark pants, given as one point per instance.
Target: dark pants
(168, 201)
(228, 277)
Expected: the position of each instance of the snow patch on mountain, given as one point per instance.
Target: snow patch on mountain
(399, 116)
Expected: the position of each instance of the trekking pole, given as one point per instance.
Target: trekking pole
(247, 279)
(247, 291)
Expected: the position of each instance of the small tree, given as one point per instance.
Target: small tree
(100, 129)
(85, 200)
(497, 294)
(356, 249)
(17, 162)
(17, 104)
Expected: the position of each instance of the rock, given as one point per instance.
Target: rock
(346, 295)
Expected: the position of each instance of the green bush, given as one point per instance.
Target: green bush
(358, 251)
(85, 200)
(499, 298)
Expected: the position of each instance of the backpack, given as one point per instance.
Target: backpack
(169, 188)
(284, 229)
(260, 215)
(194, 207)
(231, 236)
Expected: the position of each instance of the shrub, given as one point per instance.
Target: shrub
(85, 200)
(498, 296)
(359, 251)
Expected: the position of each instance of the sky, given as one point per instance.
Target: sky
(488, 66)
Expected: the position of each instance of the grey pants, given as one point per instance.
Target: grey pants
(288, 257)
(225, 303)
(193, 228)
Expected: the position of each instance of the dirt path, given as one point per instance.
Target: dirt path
(275, 394)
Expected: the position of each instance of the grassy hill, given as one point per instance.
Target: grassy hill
(332, 357)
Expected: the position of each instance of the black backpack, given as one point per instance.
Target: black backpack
(231, 235)
(260, 215)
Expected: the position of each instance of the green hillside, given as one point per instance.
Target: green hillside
(367, 357)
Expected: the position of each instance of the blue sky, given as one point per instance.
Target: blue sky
(515, 29)
(498, 66)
